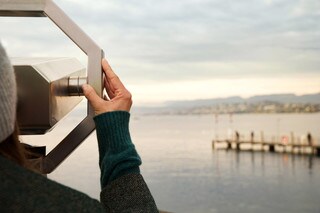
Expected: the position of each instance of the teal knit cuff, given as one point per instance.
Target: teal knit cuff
(117, 153)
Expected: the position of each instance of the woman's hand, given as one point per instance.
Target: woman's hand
(119, 99)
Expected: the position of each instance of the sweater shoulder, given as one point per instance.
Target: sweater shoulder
(128, 193)
(25, 191)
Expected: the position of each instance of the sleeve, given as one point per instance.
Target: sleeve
(117, 153)
(128, 193)
(123, 187)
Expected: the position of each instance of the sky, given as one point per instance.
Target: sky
(191, 49)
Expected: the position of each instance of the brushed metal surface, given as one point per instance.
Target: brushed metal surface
(22, 8)
(43, 91)
(84, 42)
(48, 8)
(94, 73)
(75, 85)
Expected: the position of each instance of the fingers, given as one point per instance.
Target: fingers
(92, 96)
(120, 97)
(109, 90)
(108, 87)
(113, 80)
(106, 67)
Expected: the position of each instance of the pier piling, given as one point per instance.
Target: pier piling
(292, 146)
(272, 148)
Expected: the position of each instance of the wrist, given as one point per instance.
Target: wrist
(113, 131)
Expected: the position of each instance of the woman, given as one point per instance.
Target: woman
(123, 188)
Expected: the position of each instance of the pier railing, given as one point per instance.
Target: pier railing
(276, 144)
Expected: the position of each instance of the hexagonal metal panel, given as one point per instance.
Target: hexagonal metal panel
(49, 9)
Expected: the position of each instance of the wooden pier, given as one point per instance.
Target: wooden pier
(271, 146)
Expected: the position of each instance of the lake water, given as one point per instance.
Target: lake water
(184, 174)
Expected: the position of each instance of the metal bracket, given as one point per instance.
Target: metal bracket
(47, 8)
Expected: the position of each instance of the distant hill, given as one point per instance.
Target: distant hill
(204, 102)
(279, 98)
(287, 98)
(273, 103)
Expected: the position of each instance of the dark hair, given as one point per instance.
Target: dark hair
(11, 148)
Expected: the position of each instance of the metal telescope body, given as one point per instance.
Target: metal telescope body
(48, 89)
(51, 87)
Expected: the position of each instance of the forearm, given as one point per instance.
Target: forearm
(118, 155)
(123, 188)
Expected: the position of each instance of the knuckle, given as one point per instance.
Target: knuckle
(114, 77)
(89, 92)
(128, 95)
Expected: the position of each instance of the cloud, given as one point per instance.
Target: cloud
(221, 87)
(175, 41)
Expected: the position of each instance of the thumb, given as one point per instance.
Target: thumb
(92, 96)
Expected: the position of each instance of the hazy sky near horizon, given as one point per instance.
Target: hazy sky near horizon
(191, 49)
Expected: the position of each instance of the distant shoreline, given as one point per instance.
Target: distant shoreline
(236, 108)
(273, 103)
(231, 113)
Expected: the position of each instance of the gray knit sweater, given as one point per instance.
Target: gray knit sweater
(123, 188)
